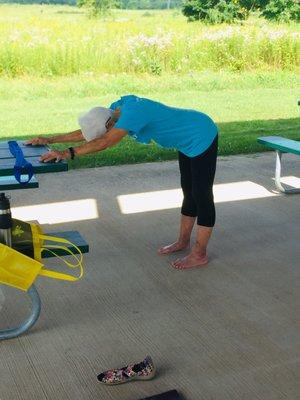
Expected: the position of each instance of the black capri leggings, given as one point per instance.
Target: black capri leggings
(197, 178)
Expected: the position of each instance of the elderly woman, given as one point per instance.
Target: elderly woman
(192, 133)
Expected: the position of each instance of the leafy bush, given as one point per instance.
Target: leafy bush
(253, 5)
(214, 11)
(97, 7)
(217, 11)
(282, 10)
(226, 11)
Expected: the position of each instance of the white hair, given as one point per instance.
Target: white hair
(93, 122)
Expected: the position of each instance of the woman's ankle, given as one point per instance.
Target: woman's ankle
(199, 250)
(184, 240)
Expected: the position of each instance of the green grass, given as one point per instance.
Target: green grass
(55, 63)
(244, 106)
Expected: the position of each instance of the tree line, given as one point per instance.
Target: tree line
(123, 4)
(211, 11)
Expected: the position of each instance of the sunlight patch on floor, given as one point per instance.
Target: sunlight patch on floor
(55, 213)
(291, 181)
(168, 199)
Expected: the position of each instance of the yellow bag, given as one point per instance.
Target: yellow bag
(20, 271)
(16, 269)
(27, 238)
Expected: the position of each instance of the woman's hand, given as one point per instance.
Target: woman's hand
(55, 156)
(38, 141)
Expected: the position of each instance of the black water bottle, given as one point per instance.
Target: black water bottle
(5, 220)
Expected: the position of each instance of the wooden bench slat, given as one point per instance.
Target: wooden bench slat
(280, 143)
(10, 183)
(28, 151)
(4, 144)
(7, 167)
(72, 236)
(32, 153)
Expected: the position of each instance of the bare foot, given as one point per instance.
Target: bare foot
(172, 248)
(190, 261)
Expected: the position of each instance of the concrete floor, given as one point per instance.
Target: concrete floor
(226, 332)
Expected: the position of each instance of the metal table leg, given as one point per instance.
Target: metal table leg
(30, 321)
(278, 176)
(5, 237)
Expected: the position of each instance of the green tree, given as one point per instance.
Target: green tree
(252, 5)
(214, 11)
(282, 10)
(98, 7)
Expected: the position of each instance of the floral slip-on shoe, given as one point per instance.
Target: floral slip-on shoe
(144, 370)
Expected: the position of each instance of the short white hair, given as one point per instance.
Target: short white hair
(93, 123)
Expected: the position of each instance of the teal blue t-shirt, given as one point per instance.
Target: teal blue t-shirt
(189, 131)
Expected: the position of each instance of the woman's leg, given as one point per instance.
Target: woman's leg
(188, 209)
(183, 241)
(203, 172)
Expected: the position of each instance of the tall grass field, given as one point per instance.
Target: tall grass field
(55, 63)
(52, 40)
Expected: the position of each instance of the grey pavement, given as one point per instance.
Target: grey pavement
(229, 331)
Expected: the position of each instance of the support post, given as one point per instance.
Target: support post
(278, 176)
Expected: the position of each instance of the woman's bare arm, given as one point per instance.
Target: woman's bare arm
(75, 136)
(109, 139)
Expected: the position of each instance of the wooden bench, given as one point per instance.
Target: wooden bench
(7, 166)
(10, 183)
(32, 154)
(33, 294)
(73, 236)
(281, 145)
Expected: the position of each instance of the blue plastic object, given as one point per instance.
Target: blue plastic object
(22, 166)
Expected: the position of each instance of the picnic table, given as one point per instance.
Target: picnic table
(9, 182)
(281, 145)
